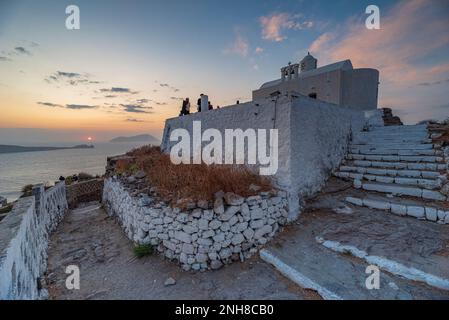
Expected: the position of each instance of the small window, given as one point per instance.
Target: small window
(312, 95)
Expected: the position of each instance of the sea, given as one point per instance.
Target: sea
(20, 169)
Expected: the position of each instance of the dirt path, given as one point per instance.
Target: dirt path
(91, 240)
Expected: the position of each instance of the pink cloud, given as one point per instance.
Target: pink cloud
(240, 46)
(273, 25)
(409, 31)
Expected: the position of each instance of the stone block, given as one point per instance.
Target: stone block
(416, 211)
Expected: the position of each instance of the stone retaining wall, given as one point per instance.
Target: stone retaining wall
(24, 235)
(204, 236)
(85, 191)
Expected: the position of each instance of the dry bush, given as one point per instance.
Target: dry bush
(83, 176)
(194, 182)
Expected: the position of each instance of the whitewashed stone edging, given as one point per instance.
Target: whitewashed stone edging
(297, 277)
(24, 236)
(199, 238)
(387, 264)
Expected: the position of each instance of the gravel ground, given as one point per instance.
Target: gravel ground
(91, 240)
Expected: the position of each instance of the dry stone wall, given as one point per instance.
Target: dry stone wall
(204, 236)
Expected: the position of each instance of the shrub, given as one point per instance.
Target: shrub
(142, 250)
(6, 208)
(82, 176)
(27, 190)
(195, 182)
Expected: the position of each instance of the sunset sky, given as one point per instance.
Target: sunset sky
(125, 71)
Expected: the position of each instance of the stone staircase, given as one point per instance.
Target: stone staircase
(402, 164)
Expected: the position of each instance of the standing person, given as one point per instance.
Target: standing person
(187, 107)
(198, 104)
(183, 108)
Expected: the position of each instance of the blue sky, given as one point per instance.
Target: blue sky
(162, 51)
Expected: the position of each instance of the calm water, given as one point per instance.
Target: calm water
(19, 169)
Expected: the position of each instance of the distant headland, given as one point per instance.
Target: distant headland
(139, 138)
(14, 149)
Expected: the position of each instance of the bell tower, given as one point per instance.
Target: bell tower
(308, 63)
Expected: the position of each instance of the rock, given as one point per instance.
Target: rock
(213, 256)
(203, 204)
(233, 220)
(229, 213)
(219, 206)
(196, 213)
(225, 253)
(169, 245)
(253, 200)
(201, 257)
(244, 209)
(208, 214)
(145, 200)
(204, 242)
(256, 213)
(262, 231)
(203, 224)
(140, 174)
(237, 239)
(187, 248)
(256, 224)
(225, 226)
(248, 233)
(189, 229)
(431, 214)
(415, 211)
(184, 237)
(233, 199)
(242, 226)
(216, 264)
(208, 234)
(220, 237)
(445, 189)
(214, 224)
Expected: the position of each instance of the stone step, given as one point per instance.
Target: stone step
(390, 265)
(392, 135)
(402, 207)
(330, 274)
(372, 157)
(392, 172)
(400, 190)
(405, 128)
(398, 152)
(430, 184)
(397, 165)
(315, 264)
(376, 140)
(395, 146)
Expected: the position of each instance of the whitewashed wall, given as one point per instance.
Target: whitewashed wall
(313, 136)
(24, 235)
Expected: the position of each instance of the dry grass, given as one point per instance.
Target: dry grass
(191, 182)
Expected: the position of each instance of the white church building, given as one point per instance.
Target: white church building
(337, 83)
